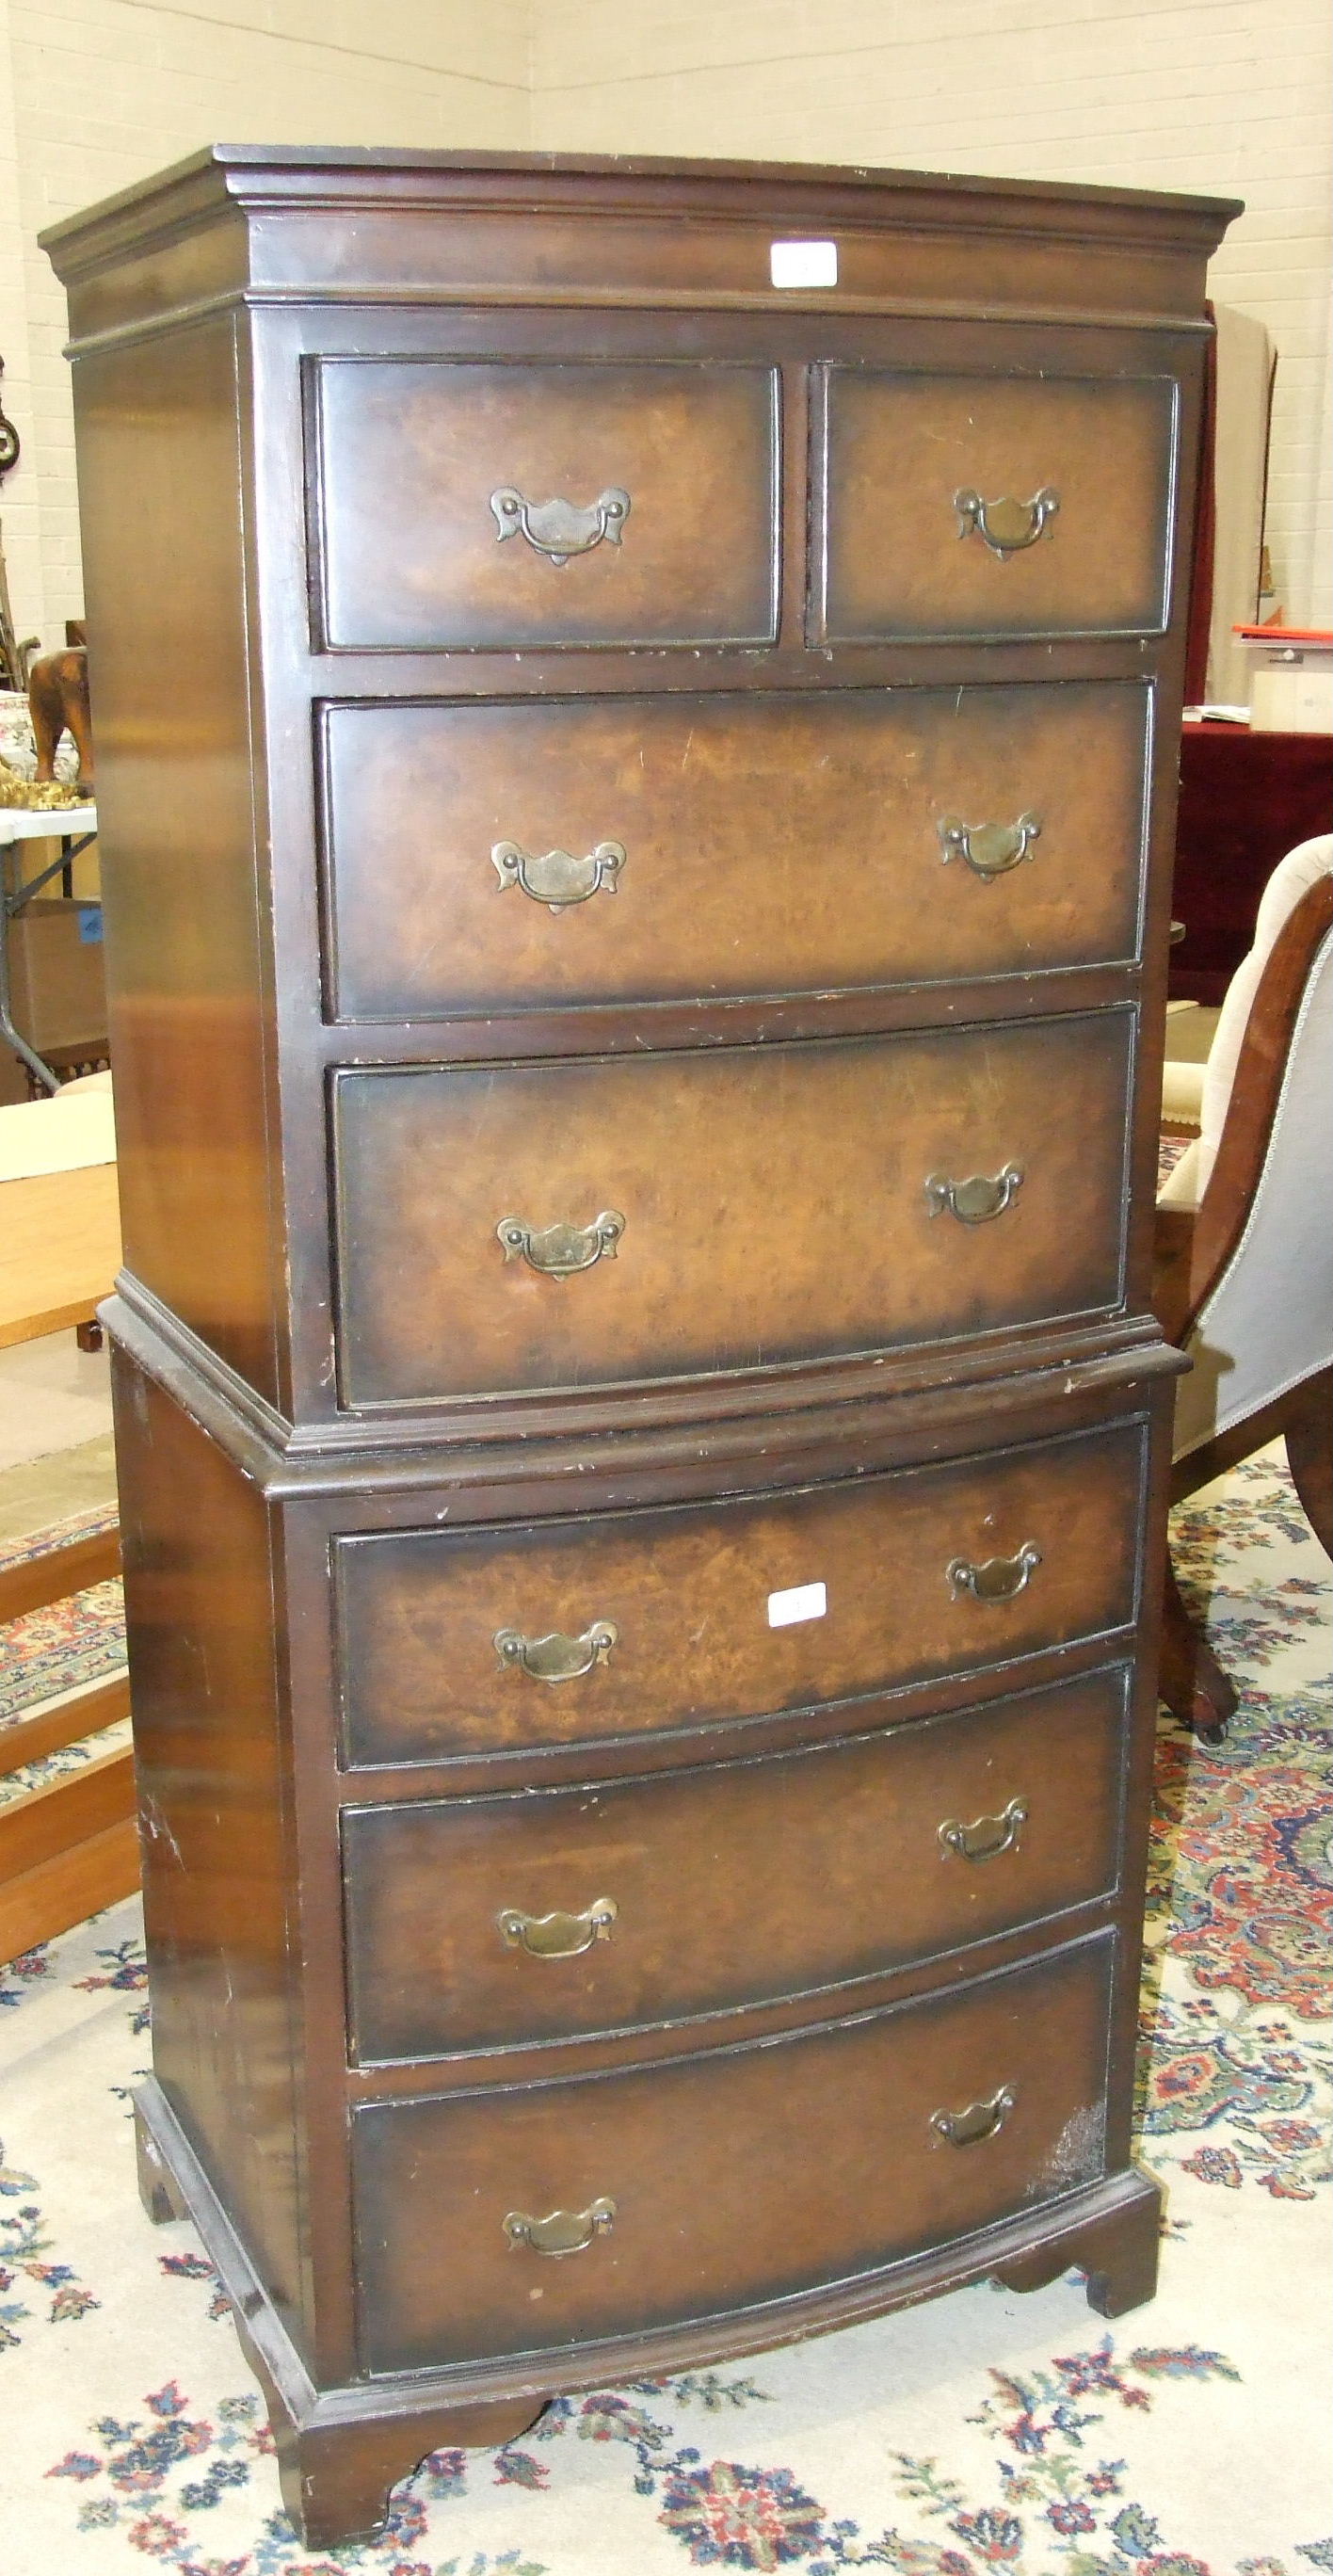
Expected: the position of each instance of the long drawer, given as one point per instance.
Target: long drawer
(623, 1624)
(476, 1922)
(723, 1210)
(993, 505)
(470, 504)
(713, 2183)
(765, 846)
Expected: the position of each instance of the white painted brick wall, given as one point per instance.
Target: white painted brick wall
(1215, 97)
(1221, 96)
(95, 94)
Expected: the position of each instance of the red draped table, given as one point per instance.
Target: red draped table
(1245, 800)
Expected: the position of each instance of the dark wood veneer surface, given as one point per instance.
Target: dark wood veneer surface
(355, 1441)
(689, 1590)
(410, 453)
(771, 846)
(899, 447)
(749, 1880)
(681, 2149)
(774, 1199)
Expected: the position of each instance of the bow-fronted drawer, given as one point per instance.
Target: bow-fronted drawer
(665, 1216)
(455, 1643)
(483, 858)
(545, 1914)
(738, 2177)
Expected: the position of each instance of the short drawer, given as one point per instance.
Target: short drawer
(776, 845)
(468, 504)
(628, 1623)
(723, 1210)
(710, 2184)
(994, 505)
(472, 1923)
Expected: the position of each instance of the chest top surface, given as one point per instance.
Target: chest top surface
(553, 229)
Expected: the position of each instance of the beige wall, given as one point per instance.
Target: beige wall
(1222, 96)
(97, 93)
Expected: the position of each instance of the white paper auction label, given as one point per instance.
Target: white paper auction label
(804, 1601)
(801, 263)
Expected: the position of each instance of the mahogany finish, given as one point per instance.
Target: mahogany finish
(725, 1261)
(680, 2149)
(842, 1861)
(405, 449)
(896, 451)
(688, 1590)
(769, 843)
(630, 779)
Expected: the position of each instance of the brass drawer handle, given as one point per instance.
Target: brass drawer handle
(559, 1936)
(980, 2119)
(990, 849)
(1000, 1578)
(559, 529)
(557, 1251)
(989, 1836)
(1006, 526)
(975, 1201)
(565, 2231)
(557, 1658)
(558, 879)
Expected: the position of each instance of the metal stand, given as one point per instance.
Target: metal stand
(75, 827)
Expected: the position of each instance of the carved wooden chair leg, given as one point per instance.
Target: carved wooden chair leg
(1309, 1433)
(1190, 1679)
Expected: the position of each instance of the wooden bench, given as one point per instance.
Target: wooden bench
(70, 1846)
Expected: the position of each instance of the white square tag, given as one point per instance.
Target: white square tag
(802, 263)
(804, 1601)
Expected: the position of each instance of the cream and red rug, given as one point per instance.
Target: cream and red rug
(983, 2435)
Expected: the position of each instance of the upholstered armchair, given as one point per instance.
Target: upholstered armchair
(1244, 1253)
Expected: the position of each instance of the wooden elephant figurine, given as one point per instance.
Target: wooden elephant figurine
(58, 699)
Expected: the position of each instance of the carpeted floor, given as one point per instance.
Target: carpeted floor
(983, 2432)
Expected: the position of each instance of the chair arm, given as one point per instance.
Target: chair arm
(1190, 1270)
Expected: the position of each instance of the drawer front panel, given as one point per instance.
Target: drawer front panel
(905, 553)
(690, 1594)
(809, 2160)
(476, 1922)
(440, 480)
(760, 1205)
(782, 845)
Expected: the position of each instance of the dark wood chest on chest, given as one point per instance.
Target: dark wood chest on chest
(637, 804)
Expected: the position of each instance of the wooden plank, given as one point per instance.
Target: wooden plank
(39, 1580)
(68, 1811)
(59, 1249)
(29, 1738)
(68, 1887)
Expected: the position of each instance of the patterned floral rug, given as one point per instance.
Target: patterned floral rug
(984, 2432)
(1169, 1151)
(59, 1649)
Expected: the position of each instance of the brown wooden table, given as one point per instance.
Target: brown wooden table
(59, 1249)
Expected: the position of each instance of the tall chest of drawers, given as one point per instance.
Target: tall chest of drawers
(635, 799)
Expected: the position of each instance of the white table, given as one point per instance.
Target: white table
(74, 826)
